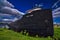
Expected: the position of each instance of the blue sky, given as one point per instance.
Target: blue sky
(23, 5)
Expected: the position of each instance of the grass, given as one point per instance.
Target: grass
(11, 35)
(57, 33)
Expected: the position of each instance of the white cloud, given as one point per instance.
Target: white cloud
(10, 20)
(7, 10)
(5, 3)
(3, 14)
(55, 4)
(56, 12)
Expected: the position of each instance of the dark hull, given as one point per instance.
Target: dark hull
(38, 22)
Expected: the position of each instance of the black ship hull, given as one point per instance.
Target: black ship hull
(39, 22)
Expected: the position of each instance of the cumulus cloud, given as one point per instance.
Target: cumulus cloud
(2, 14)
(5, 3)
(7, 10)
(56, 12)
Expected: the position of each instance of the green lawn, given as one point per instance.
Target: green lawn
(11, 35)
